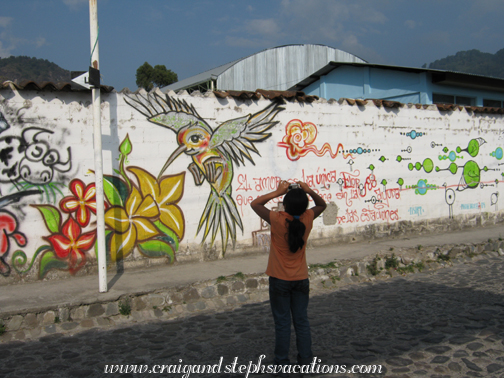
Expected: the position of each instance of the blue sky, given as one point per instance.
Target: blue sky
(192, 36)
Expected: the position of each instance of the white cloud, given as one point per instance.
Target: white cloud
(410, 24)
(5, 21)
(267, 27)
(41, 41)
(9, 42)
(338, 23)
(329, 20)
(5, 52)
(351, 44)
(363, 12)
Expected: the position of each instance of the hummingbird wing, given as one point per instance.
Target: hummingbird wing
(236, 137)
(165, 111)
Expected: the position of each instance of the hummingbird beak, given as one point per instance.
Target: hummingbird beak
(172, 157)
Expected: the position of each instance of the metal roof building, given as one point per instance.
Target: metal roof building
(278, 68)
(403, 84)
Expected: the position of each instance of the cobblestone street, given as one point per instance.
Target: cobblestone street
(446, 323)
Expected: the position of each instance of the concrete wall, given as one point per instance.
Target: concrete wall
(383, 171)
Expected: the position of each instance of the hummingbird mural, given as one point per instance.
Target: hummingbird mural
(213, 152)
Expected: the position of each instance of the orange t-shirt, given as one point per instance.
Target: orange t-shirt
(282, 263)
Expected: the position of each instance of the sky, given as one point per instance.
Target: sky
(193, 36)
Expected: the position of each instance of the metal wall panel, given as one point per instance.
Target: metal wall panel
(280, 68)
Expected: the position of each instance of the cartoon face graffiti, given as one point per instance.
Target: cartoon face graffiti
(30, 159)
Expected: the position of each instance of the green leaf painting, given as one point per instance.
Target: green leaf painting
(50, 261)
(169, 235)
(115, 190)
(157, 248)
(126, 147)
(52, 217)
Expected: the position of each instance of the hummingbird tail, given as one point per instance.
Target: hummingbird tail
(220, 213)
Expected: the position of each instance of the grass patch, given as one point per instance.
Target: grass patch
(125, 307)
(220, 279)
(57, 320)
(2, 329)
(373, 267)
(239, 276)
(391, 262)
(420, 266)
(330, 265)
(443, 258)
(406, 269)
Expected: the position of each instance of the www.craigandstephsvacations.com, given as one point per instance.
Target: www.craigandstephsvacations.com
(185, 370)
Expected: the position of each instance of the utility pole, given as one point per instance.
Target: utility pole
(100, 209)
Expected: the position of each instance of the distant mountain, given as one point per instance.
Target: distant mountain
(473, 61)
(25, 68)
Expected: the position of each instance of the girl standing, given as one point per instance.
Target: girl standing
(289, 286)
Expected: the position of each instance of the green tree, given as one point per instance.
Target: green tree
(148, 77)
(144, 76)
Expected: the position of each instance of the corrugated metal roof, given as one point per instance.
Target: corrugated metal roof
(199, 78)
(275, 68)
(280, 67)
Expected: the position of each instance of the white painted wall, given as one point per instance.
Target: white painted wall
(372, 149)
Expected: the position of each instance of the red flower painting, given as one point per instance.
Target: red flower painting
(8, 228)
(72, 243)
(83, 201)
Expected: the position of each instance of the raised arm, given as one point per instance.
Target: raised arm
(258, 204)
(320, 204)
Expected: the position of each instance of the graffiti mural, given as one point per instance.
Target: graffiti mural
(8, 231)
(28, 163)
(142, 214)
(29, 158)
(299, 138)
(372, 165)
(213, 152)
(384, 202)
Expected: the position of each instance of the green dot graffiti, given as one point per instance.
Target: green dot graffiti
(470, 175)
(473, 147)
(427, 165)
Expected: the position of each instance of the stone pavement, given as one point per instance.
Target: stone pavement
(445, 321)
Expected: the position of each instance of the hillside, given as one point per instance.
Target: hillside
(473, 61)
(25, 68)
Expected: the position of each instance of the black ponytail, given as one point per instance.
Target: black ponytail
(295, 234)
(295, 202)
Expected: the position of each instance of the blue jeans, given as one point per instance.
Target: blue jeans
(286, 298)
